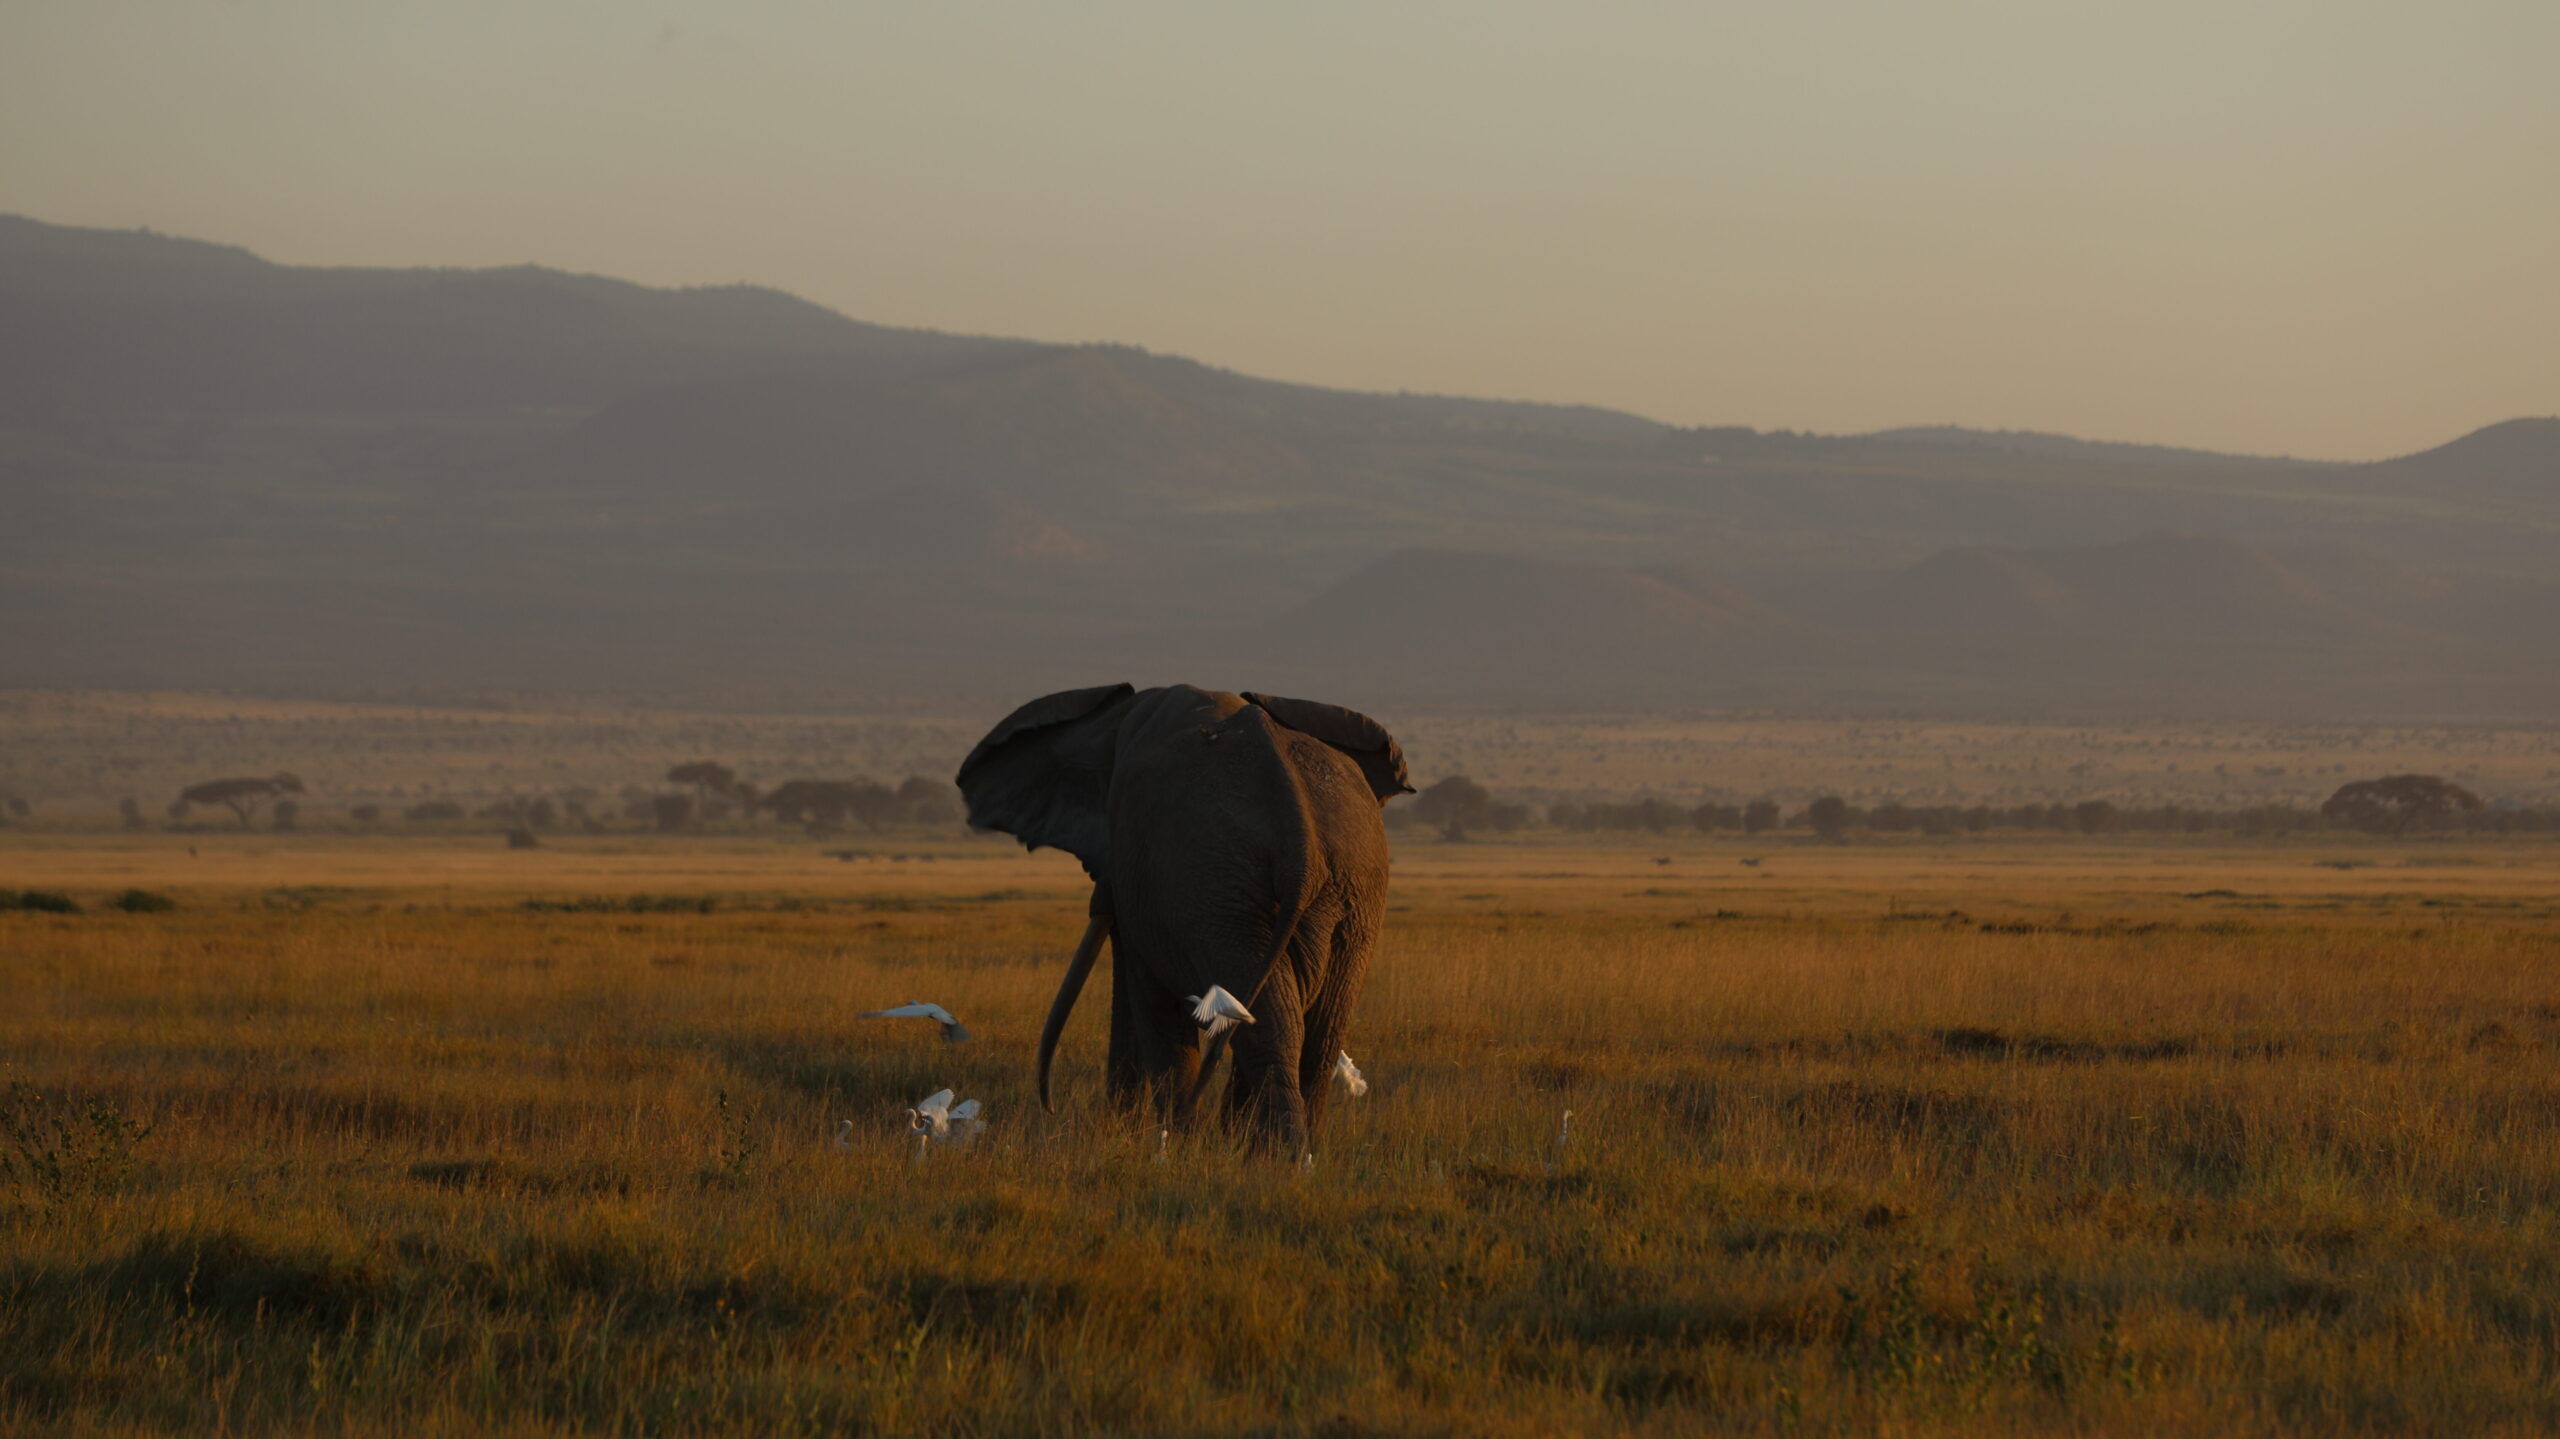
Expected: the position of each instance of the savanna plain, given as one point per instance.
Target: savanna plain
(411, 1133)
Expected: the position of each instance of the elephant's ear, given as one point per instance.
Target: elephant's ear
(1043, 774)
(1353, 733)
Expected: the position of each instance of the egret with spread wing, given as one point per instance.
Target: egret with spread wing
(1218, 1011)
(937, 1120)
(1350, 1075)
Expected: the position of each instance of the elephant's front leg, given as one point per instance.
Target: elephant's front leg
(1264, 1091)
(1155, 1050)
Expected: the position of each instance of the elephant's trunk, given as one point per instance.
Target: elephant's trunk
(1096, 930)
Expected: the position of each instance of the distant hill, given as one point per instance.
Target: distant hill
(2196, 624)
(935, 526)
(216, 470)
(1472, 625)
(113, 322)
(2162, 588)
(1099, 428)
(2517, 463)
(2037, 442)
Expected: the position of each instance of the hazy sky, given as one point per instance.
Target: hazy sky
(2323, 227)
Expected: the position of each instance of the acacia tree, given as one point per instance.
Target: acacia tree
(1829, 817)
(831, 802)
(875, 804)
(927, 801)
(826, 802)
(1453, 804)
(244, 797)
(2391, 804)
(707, 778)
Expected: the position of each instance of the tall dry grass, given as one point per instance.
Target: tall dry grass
(425, 1159)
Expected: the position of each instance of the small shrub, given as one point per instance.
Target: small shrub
(60, 1153)
(142, 901)
(48, 901)
(742, 1143)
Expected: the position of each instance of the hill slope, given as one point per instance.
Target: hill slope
(116, 323)
(217, 470)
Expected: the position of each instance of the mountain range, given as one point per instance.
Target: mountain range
(217, 471)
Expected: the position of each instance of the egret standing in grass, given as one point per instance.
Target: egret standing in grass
(1349, 1074)
(953, 1031)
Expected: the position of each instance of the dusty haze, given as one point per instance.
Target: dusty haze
(2317, 229)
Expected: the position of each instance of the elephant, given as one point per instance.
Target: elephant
(1233, 840)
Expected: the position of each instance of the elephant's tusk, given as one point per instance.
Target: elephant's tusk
(1096, 930)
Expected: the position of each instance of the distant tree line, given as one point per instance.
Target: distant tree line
(1456, 807)
(709, 794)
(2392, 805)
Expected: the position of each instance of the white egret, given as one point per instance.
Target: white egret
(952, 1029)
(1218, 1011)
(937, 1120)
(1349, 1074)
(844, 1134)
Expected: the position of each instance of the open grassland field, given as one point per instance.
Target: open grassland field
(2138, 1138)
(74, 754)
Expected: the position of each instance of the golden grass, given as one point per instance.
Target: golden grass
(2139, 1157)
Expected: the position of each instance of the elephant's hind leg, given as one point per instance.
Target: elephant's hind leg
(1343, 967)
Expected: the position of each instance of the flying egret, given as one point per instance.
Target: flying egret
(1218, 1011)
(952, 1029)
(1349, 1074)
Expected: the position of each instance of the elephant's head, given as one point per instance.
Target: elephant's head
(1044, 776)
